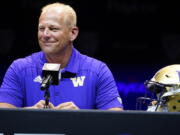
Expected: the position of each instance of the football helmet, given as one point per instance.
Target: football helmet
(166, 84)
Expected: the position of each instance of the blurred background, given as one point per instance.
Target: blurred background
(135, 38)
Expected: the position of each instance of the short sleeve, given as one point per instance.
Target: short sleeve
(11, 88)
(107, 92)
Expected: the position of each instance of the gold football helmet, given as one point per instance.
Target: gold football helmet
(166, 84)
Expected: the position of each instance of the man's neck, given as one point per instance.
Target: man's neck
(61, 58)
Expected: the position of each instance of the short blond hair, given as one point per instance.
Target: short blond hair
(70, 18)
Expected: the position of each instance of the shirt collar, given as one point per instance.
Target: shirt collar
(73, 63)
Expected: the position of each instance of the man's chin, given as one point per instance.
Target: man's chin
(49, 52)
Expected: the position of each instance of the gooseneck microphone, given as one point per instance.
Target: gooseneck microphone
(46, 81)
(50, 76)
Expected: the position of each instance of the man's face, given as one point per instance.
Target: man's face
(53, 33)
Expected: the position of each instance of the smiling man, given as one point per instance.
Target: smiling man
(91, 87)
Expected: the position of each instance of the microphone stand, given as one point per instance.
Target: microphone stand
(46, 96)
(45, 86)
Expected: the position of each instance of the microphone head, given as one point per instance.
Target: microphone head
(52, 69)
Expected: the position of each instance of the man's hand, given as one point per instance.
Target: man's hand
(40, 105)
(67, 106)
(62, 106)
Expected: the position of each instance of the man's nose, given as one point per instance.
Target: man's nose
(46, 32)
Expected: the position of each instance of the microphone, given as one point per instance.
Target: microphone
(50, 75)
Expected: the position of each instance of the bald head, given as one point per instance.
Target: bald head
(67, 11)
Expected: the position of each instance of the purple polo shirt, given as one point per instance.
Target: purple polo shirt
(93, 87)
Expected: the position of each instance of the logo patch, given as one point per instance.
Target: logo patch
(38, 79)
(78, 81)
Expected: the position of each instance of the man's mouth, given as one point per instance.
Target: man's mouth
(47, 43)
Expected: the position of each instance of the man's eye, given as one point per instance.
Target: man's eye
(41, 28)
(54, 29)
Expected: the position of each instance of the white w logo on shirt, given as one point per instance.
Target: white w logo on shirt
(78, 81)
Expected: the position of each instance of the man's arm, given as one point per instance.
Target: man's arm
(11, 92)
(108, 97)
(39, 105)
(116, 109)
(6, 105)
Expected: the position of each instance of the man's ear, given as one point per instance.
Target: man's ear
(74, 33)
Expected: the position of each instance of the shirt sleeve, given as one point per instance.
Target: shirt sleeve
(107, 92)
(11, 88)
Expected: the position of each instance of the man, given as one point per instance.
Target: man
(92, 87)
